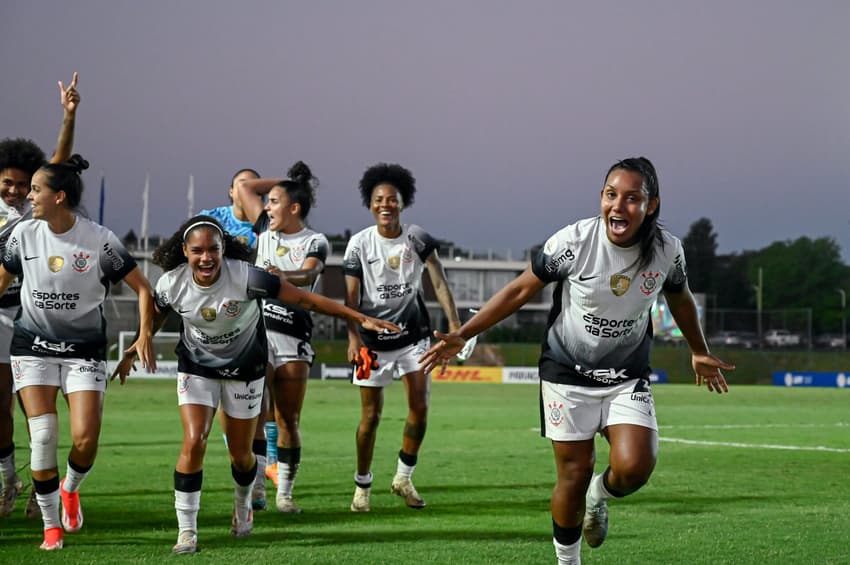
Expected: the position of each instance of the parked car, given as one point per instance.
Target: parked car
(829, 341)
(746, 340)
(782, 338)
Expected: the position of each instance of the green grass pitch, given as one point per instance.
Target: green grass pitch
(756, 476)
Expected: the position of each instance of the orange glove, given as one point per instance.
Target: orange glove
(365, 361)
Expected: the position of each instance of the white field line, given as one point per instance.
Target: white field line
(751, 426)
(754, 445)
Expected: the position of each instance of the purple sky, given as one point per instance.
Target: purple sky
(508, 113)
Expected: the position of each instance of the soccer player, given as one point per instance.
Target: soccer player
(288, 247)
(594, 368)
(222, 355)
(59, 342)
(233, 218)
(19, 160)
(383, 277)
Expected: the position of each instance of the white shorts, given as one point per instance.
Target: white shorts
(395, 363)
(7, 326)
(71, 375)
(284, 349)
(572, 413)
(238, 399)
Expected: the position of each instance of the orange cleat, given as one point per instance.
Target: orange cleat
(52, 539)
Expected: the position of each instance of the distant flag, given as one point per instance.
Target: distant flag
(102, 198)
(190, 196)
(144, 234)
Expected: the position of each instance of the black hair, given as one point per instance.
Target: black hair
(300, 186)
(650, 230)
(240, 171)
(169, 255)
(67, 178)
(21, 154)
(392, 174)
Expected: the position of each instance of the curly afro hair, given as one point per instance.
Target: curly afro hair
(392, 174)
(21, 154)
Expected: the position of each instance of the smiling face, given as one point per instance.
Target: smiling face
(625, 205)
(203, 248)
(386, 206)
(283, 215)
(45, 201)
(14, 186)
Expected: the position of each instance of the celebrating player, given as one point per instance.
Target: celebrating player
(594, 368)
(222, 355)
(59, 340)
(288, 247)
(383, 276)
(19, 160)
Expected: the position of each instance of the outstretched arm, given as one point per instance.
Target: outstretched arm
(70, 100)
(442, 290)
(306, 275)
(500, 306)
(707, 367)
(249, 193)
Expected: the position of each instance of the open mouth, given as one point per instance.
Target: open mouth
(618, 225)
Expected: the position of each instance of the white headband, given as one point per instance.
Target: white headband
(203, 223)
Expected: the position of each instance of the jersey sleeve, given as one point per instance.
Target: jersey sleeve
(12, 252)
(160, 295)
(115, 261)
(555, 259)
(262, 284)
(677, 275)
(318, 248)
(422, 241)
(352, 266)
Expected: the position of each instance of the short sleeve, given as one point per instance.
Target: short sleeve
(677, 275)
(262, 284)
(555, 259)
(352, 266)
(421, 241)
(115, 261)
(12, 252)
(318, 248)
(160, 294)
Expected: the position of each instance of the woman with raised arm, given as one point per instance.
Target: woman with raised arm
(59, 342)
(594, 368)
(222, 355)
(383, 277)
(19, 160)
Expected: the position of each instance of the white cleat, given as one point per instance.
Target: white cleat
(8, 494)
(286, 505)
(258, 495)
(361, 499)
(595, 527)
(32, 510)
(404, 488)
(242, 526)
(187, 542)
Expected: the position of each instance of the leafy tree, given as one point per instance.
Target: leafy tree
(700, 246)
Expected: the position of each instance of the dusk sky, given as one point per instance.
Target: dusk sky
(508, 113)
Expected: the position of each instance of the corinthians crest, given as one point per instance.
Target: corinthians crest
(620, 284)
(55, 262)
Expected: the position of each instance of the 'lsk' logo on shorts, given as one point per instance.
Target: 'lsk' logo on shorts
(556, 413)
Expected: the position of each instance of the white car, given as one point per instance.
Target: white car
(782, 338)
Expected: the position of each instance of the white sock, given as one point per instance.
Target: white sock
(187, 505)
(73, 479)
(49, 504)
(403, 470)
(363, 479)
(597, 492)
(260, 479)
(7, 469)
(568, 554)
(242, 498)
(286, 478)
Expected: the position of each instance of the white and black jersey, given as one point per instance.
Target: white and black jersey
(390, 273)
(221, 335)
(288, 252)
(9, 216)
(66, 278)
(599, 330)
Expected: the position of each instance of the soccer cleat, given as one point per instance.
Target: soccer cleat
(187, 542)
(595, 527)
(361, 499)
(258, 496)
(405, 489)
(286, 505)
(242, 526)
(72, 512)
(52, 539)
(8, 494)
(32, 510)
(271, 473)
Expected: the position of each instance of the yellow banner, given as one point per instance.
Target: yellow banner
(468, 375)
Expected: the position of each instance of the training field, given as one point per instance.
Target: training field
(761, 475)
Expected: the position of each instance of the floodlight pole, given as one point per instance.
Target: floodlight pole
(843, 317)
(759, 288)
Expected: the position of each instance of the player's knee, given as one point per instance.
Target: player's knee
(44, 439)
(195, 445)
(630, 475)
(86, 444)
